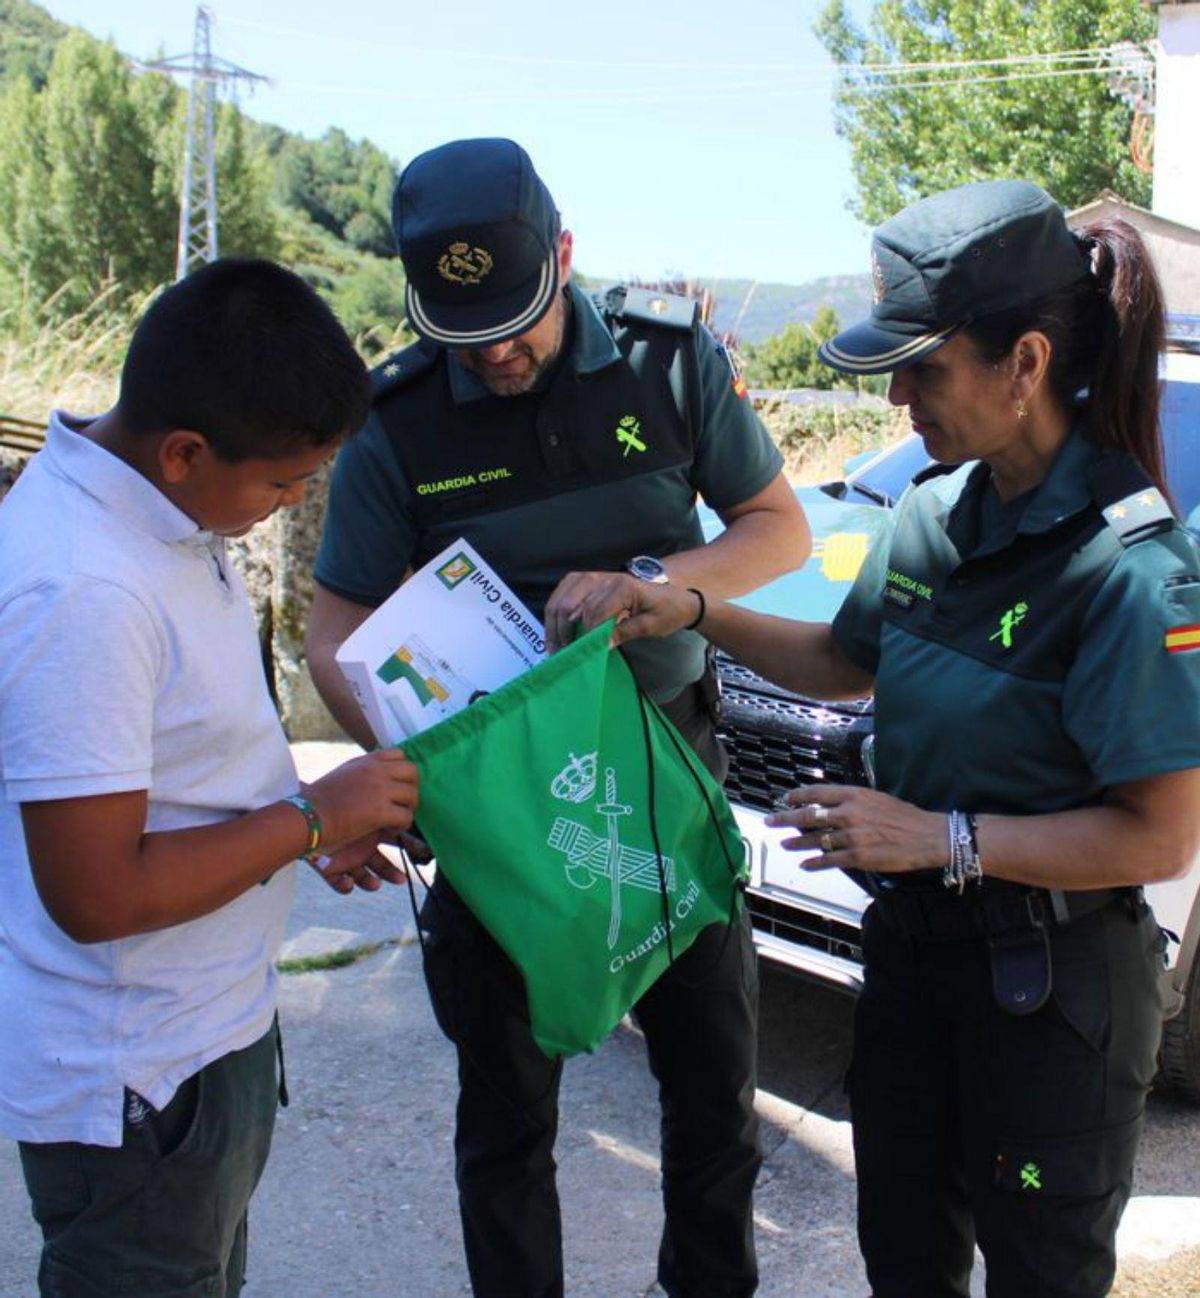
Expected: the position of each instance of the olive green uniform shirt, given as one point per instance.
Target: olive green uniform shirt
(1028, 656)
(604, 462)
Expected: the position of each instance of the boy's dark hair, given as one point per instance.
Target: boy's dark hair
(246, 353)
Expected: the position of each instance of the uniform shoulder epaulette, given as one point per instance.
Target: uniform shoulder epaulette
(402, 367)
(647, 306)
(1131, 504)
(934, 470)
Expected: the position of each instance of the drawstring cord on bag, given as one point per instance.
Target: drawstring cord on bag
(688, 757)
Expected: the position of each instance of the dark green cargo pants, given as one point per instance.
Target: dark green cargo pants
(1019, 1131)
(163, 1215)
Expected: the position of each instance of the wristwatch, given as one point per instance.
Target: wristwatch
(646, 568)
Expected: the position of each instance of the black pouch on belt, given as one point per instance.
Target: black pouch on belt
(1021, 975)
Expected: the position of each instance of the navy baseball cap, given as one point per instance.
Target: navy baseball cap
(953, 258)
(476, 231)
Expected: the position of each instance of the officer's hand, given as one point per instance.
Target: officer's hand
(588, 598)
(358, 864)
(861, 829)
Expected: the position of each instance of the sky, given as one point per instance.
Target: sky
(677, 138)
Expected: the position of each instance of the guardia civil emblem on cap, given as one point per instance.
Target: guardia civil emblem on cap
(480, 240)
(462, 264)
(878, 279)
(658, 305)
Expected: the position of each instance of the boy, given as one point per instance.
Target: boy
(151, 808)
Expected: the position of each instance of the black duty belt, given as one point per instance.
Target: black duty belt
(989, 910)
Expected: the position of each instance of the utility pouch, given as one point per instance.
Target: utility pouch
(1021, 974)
(709, 686)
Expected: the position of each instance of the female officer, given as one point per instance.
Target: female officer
(1030, 624)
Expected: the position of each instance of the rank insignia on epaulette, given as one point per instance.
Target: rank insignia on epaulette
(1140, 513)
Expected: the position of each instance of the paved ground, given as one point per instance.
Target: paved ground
(358, 1201)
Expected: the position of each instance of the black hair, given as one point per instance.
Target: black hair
(1107, 332)
(246, 353)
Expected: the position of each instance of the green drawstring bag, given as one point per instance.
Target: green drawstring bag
(583, 833)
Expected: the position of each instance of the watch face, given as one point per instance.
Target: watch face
(646, 568)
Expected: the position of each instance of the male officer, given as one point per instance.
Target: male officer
(567, 445)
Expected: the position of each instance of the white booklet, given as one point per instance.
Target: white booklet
(452, 632)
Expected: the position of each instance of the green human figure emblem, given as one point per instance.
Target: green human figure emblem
(1031, 1177)
(1009, 621)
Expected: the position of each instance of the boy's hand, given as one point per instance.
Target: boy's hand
(374, 792)
(358, 864)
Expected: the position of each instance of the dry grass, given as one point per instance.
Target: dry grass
(1173, 1277)
(72, 363)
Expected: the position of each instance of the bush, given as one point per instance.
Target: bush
(817, 440)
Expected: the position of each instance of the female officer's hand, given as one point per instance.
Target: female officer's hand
(861, 829)
(641, 608)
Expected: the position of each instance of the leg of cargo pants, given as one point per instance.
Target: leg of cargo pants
(507, 1115)
(699, 1021)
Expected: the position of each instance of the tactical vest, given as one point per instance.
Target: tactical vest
(638, 415)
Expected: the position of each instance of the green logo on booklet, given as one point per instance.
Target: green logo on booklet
(450, 574)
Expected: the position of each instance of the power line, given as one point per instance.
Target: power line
(197, 242)
(943, 84)
(659, 66)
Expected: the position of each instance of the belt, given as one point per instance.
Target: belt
(991, 909)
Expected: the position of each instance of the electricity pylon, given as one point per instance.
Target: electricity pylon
(198, 198)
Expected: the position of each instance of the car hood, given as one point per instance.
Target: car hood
(842, 534)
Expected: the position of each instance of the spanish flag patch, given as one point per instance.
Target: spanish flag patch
(739, 387)
(1179, 639)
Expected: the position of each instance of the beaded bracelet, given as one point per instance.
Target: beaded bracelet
(312, 819)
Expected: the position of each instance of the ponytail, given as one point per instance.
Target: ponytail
(1125, 388)
(1106, 332)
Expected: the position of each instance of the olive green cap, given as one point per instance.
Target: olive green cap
(953, 258)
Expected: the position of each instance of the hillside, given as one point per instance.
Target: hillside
(755, 311)
(323, 208)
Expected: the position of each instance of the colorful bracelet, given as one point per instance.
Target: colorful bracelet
(312, 819)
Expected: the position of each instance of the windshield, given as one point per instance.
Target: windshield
(884, 478)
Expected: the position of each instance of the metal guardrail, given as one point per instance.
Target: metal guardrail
(18, 434)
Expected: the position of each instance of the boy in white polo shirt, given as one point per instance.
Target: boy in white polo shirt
(150, 807)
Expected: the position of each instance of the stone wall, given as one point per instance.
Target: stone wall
(275, 561)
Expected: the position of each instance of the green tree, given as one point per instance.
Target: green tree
(1069, 134)
(79, 163)
(789, 359)
(345, 187)
(246, 222)
(28, 36)
(90, 171)
(369, 301)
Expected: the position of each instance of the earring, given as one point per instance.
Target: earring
(1021, 411)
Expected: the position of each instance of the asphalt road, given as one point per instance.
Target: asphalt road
(358, 1198)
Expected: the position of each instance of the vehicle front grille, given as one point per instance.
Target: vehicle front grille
(777, 740)
(804, 928)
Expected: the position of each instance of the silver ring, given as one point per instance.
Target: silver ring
(820, 815)
(827, 841)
